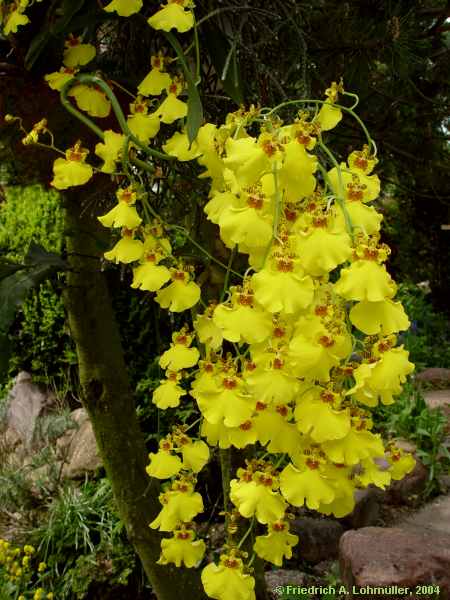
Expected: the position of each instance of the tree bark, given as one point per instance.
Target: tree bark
(108, 399)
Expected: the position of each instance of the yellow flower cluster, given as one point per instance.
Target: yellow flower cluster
(313, 323)
(180, 503)
(298, 349)
(18, 571)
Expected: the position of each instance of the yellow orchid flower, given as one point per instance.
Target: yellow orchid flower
(173, 16)
(181, 294)
(58, 79)
(109, 151)
(277, 544)
(168, 393)
(140, 123)
(195, 455)
(257, 498)
(15, 17)
(180, 355)
(180, 505)
(72, 170)
(163, 464)
(77, 54)
(91, 100)
(127, 249)
(124, 8)
(178, 146)
(181, 549)
(383, 317)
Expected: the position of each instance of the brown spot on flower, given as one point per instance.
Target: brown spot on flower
(290, 214)
(260, 406)
(150, 257)
(256, 202)
(361, 163)
(231, 563)
(279, 526)
(320, 221)
(269, 148)
(370, 253)
(282, 410)
(327, 396)
(246, 426)
(229, 383)
(326, 341)
(181, 339)
(179, 276)
(303, 138)
(285, 265)
(312, 464)
(321, 310)
(245, 299)
(278, 363)
(279, 332)
(183, 535)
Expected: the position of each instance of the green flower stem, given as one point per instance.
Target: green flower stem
(94, 80)
(199, 247)
(227, 274)
(125, 157)
(247, 533)
(344, 108)
(340, 195)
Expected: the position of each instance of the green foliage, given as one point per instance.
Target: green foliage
(39, 339)
(410, 418)
(83, 541)
(428, 339)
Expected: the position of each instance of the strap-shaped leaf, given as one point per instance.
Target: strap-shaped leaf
(195, 108)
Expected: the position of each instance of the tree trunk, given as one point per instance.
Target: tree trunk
(109, 401)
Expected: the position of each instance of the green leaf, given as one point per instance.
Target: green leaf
(7, 268)
(219, 49)
(39, 256)
(195, 108)
(15, 287)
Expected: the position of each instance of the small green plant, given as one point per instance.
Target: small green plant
(428, 338)
(410, 418)
(83, 541)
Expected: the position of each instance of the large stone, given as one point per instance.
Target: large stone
(406, 490)
(434, 375)
(433, 517)
(367, 509)
(378, 557)
(26, 403)
(318, 538)
(437, 399)
(277, 581)
(78, 448)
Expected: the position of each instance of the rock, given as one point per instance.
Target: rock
(378, 557)
(318, 538)
(80, 452)
(406, 445)
(367, 509)
(439, 399)
(433, 517)
(278, 579)
(412, 484)
(26, 403)
(434, 375)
